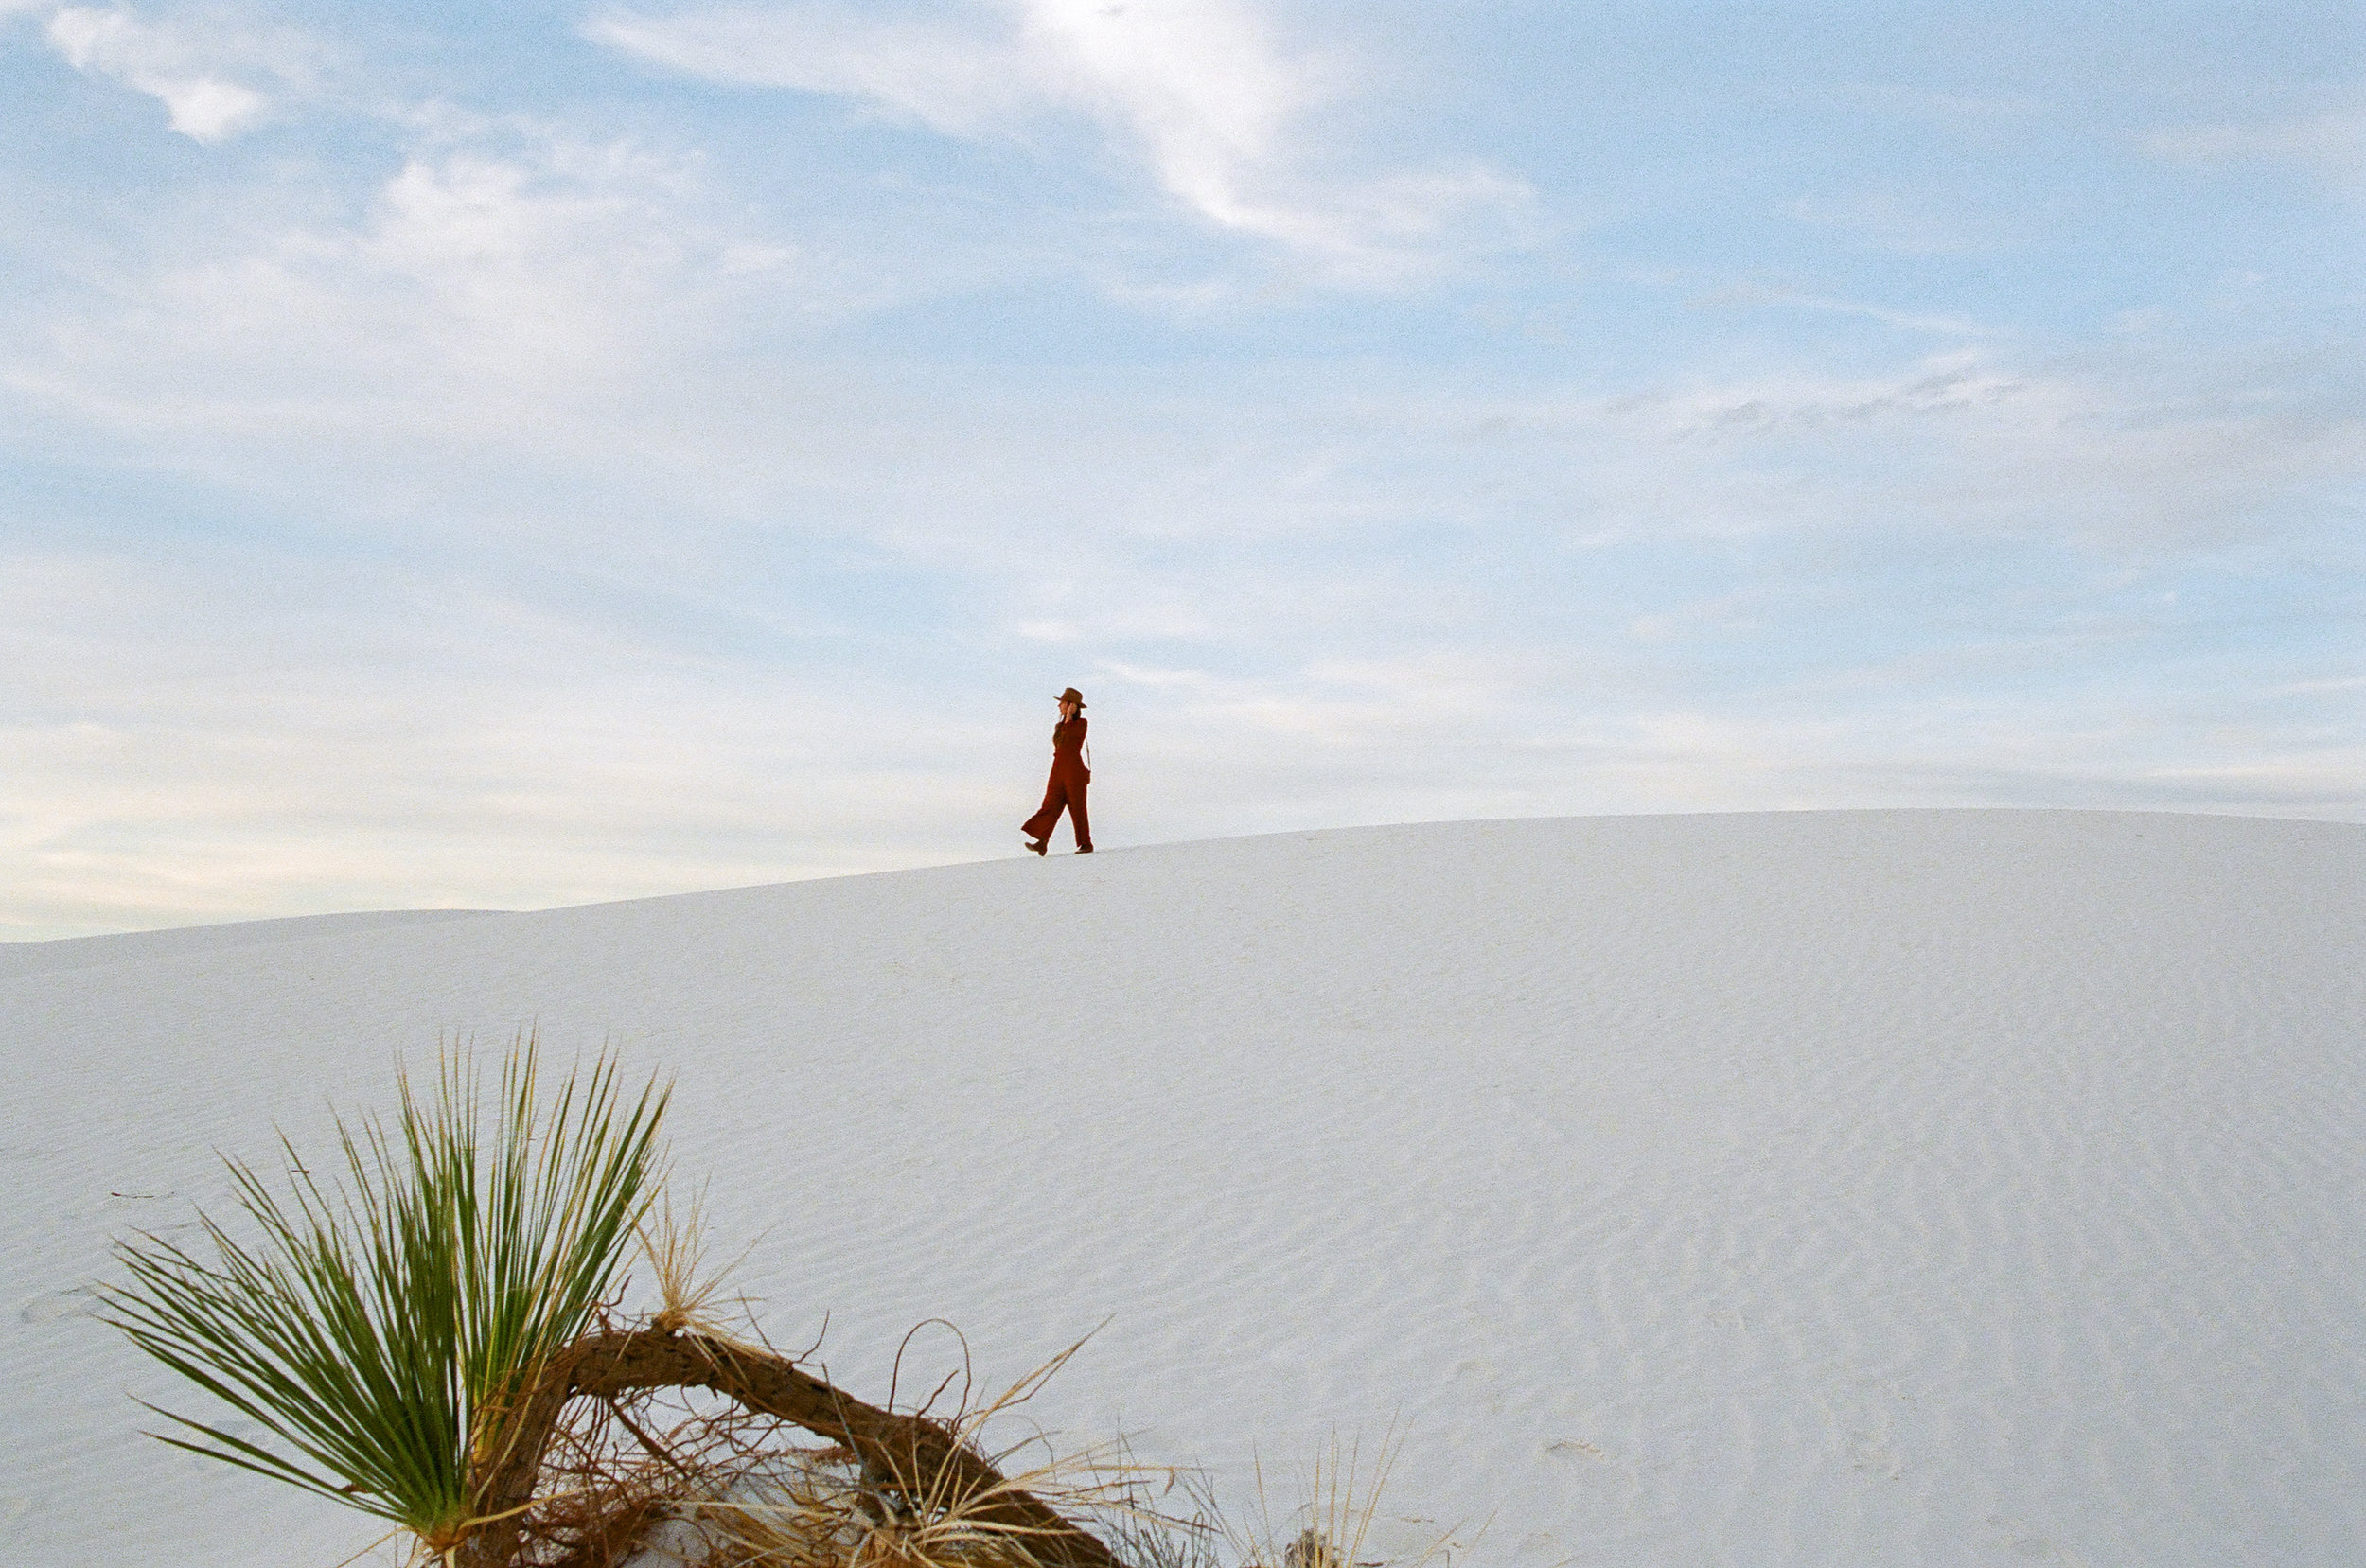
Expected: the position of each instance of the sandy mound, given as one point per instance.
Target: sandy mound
(1875, 1187)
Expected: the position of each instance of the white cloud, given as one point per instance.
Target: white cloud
(203, 70)
(503, 276)
(1196, 90)
(963, 82)
(2125, 455)
(1751, 293)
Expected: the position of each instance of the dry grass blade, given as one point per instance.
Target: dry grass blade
(1333, 1527)
(826, 1509)
(676, 1244)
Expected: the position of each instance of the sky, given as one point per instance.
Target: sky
(515, 456)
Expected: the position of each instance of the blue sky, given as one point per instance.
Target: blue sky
(513, 456)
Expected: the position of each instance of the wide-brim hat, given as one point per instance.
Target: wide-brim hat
(1072, 694)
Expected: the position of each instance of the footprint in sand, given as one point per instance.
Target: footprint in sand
(1483, 1380)
(1874, 1459)
(1575, 1448)
(82, 1302)
(1594, 1472)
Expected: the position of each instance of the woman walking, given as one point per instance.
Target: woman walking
(1068, 778)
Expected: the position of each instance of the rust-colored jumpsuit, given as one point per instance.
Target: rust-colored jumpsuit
(1067, 788)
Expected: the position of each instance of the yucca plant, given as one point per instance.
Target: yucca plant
(383, 1326)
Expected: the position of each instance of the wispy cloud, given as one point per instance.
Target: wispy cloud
(501, 268)
(1914, 321)
(1198, 90)
(2126, 456)
(215, 77)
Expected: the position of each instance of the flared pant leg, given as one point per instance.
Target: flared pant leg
(1061, 795)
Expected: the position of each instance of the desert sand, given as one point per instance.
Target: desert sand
(1879, 1188)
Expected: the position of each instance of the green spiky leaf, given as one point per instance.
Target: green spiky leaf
(376, 1328)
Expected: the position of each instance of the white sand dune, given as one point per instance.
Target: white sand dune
(1885, 1188)
(29, 958)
